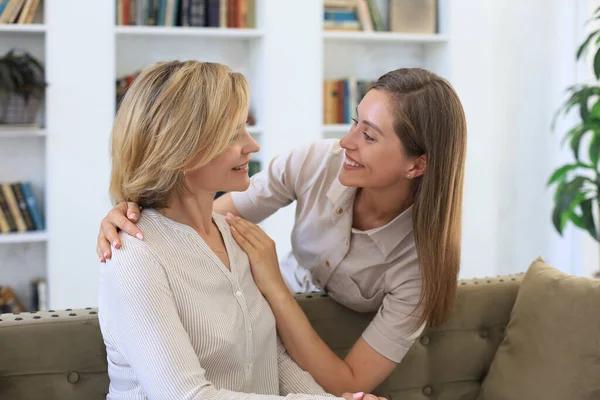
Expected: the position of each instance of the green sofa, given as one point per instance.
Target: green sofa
(60, 355)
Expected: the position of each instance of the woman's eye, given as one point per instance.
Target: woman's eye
(367, 137)
(354, 120)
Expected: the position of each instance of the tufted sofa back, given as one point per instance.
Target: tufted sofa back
(60, 355)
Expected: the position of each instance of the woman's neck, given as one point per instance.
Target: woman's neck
(192, 210)
(375, 207)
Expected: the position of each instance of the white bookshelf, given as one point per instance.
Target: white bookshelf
(335, 130)
(16, 133)
(23, 238)
(23, 154)
(23, 28)
(285, 60)
(188, 31)
(384, 37)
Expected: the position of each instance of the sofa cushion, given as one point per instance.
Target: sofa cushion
(552, 345)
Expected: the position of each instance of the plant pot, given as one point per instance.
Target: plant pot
(14, 110)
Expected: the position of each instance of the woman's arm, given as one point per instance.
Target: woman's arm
(275, 187)
(138, 306)
(362, 370)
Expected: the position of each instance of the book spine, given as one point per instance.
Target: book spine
(32, 205)
(198, 13)
(14, 207)
(7, 214)
(213, 15)
(16, 188)
(4, 228)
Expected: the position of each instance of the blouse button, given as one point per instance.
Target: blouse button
(238, 293)
(346, 241)
(339, 210)
(328, 263)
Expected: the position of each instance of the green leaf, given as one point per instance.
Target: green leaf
(588, 217)
(560, 173)
(595, 111)
(594, 150)
(585, 43)
(568, 196)
(597, 64)
(576, 141)
(576, 219)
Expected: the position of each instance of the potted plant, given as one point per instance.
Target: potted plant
(577, 184)
(22, 87)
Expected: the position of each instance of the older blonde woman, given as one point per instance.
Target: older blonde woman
(180, 313)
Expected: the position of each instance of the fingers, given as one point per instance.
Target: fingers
(245, 228)
(133, 211)
(370, 397)
(103, 246)
(116, 219)
(241, 240)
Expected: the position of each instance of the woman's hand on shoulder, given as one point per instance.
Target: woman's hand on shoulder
(122, 217)
(262, 254)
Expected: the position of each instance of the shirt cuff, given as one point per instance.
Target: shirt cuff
(394, 350)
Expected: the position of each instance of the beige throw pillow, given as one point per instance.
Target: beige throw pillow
(552, 346)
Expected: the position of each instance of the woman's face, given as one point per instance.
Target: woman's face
(375, 157)
(228, 172)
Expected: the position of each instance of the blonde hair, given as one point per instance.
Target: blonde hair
(173, 112)
(429, 120)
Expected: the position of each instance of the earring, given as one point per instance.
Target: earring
(407, 176)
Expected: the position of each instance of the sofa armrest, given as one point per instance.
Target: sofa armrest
(451, 359)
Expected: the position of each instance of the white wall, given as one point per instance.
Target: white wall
(511, 75)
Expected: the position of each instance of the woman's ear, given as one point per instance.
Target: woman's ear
(419, 167)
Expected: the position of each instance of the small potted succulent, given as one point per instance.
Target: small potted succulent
(22, 88)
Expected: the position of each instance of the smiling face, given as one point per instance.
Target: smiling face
(227, 172)
(375, 156)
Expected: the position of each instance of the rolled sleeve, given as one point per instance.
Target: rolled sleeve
(285, 179)
(392, 331)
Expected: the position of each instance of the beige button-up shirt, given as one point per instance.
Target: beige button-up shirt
(375, 270)
(178, 324)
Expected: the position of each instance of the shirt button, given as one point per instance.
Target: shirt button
(238, 293)
(318, 281)
(339, 210)
(346, 242)
(328, 263)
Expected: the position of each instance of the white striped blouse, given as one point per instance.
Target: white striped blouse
(178, 324)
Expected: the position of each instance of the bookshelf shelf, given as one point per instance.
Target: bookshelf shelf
(335, 130)
(23, 28)
(188, 31)
(385, 37)
(26, 237)
(22, 133)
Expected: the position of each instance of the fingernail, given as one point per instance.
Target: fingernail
(358, 395)
(106, 254)
(101, 259)
(132, 216)
(229, 216)
(139, 236)
(115, 244)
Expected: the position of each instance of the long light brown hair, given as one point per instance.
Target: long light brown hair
(430, 121)
(173, 112)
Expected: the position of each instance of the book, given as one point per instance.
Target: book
(32, 206)
(16, 188)
(411, 16)
(10, 220)
(13, 206)
(39, 295)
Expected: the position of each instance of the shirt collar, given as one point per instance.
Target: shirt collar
(386, 237)
(389, 236)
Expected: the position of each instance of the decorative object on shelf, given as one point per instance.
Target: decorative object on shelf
(577, 184)
(9, 303)
(187, 13)
(22, 88)
(18, 11)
